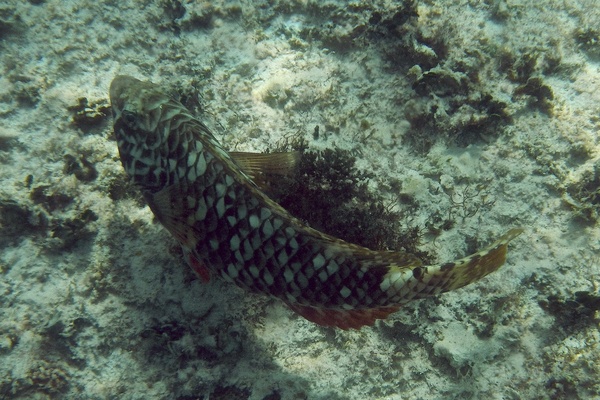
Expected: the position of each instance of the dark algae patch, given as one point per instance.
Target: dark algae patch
(584, 195)
(331, 194)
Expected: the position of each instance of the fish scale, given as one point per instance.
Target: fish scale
(227, 226)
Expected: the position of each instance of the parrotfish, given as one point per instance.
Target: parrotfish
(211, 201)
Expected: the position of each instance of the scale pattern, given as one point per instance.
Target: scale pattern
(225, 223)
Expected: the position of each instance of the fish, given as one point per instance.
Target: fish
(212, 202)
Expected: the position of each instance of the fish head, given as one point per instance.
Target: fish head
(143, 117)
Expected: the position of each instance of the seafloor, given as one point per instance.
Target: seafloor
(473, 117)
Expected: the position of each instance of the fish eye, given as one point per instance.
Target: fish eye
(130, 119)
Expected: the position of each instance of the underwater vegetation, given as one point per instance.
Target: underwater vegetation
(584, 195)
(329, 193)
(573, 312)
(588, 40)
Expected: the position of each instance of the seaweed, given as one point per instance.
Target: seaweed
(11, 23)
(330, 194)
(71, 231)
(564, 387)
(87, 115)
(8, 141)
(451, 101)
(575, 311)
(188, 16)
(17, 221)
(26, 90)
(584, 195)
(518, 66)
(82, 168)
(230, 393)
(49, 378)
(541, 94)
(588, 40)
(395, 33)
(120, 188)
(461, 113)
(468, 202)
(49, 199)
(67, 231)
(347, 30)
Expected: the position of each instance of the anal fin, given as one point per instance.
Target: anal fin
(343, 319)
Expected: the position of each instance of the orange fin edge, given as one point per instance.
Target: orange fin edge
(197, 266)
(343, 319)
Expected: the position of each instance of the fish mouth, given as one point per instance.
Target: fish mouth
(119, 87)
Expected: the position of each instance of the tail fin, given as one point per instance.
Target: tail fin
(407, 279)
(424, 281)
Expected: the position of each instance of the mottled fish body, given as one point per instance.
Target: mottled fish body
(207, 198)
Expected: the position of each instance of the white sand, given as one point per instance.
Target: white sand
(107, 308)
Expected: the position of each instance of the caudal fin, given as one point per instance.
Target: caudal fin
(407, 280)
(423, 281)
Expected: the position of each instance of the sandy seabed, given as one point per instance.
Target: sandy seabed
(483, 112)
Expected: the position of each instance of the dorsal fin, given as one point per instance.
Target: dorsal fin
(271, 163)
(259, 166)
